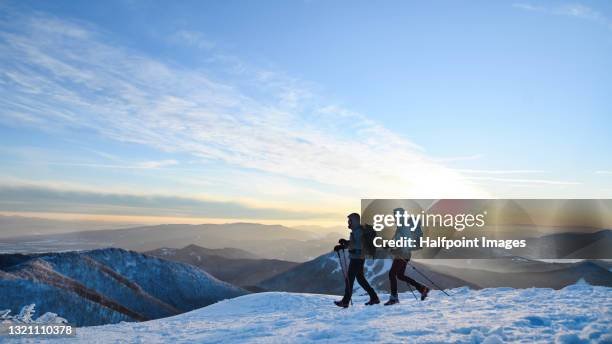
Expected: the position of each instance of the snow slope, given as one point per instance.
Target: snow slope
(107, 286)
(576, 314)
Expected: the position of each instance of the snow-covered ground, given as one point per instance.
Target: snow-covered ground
(576, 314)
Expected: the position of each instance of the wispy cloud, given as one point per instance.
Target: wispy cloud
(569, 10)
(460, 158)
(157, 164)
(581, 11)
(65, 76)
(145, 165)
(191, 38)
(525, 181)
(472, 171)
(37, 198)
(604, 172)
(528, 7)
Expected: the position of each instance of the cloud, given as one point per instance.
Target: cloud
(526, 181)
(529, 7)
(66, 76)
(603, 172)
(569, 10)
(140, 165)
(192, 38)
(157, 164)
(38, 198)
(145, 165)
(460, 158)
(579, 11)
(472, 171)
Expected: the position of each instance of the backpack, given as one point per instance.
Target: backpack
(416, 235)
(368, 235)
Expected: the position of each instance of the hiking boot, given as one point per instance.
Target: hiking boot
(373, 301)
(341, 303)
(393, 299)
(424, 291)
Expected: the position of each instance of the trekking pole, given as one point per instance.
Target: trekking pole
(413, 294)
(341, 262)
(430, 281)
(342, 266)
(346, 265)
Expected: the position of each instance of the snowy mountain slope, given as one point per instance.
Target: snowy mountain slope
(107, 286)
(323, 275)
(576, 314)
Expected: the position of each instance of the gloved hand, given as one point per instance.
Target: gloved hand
(338, 248)
(343, 242)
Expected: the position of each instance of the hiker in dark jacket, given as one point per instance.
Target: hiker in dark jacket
(355, 246)
(401, 257)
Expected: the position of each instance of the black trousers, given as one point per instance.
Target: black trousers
(355, 270)
(397, 272)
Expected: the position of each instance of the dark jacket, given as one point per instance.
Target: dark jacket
(360, 242)
(355, 244)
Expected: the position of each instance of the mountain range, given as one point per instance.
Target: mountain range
(111, 285)
(265, 241)
(524, 273)
(297, 245)
(235, 266)
(13, 226)
(324, 274)
(107, 286)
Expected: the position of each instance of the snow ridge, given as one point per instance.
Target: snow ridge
(580, 313)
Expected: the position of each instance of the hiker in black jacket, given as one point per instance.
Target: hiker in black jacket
(355, 246)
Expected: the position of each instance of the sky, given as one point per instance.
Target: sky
(291, 112)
